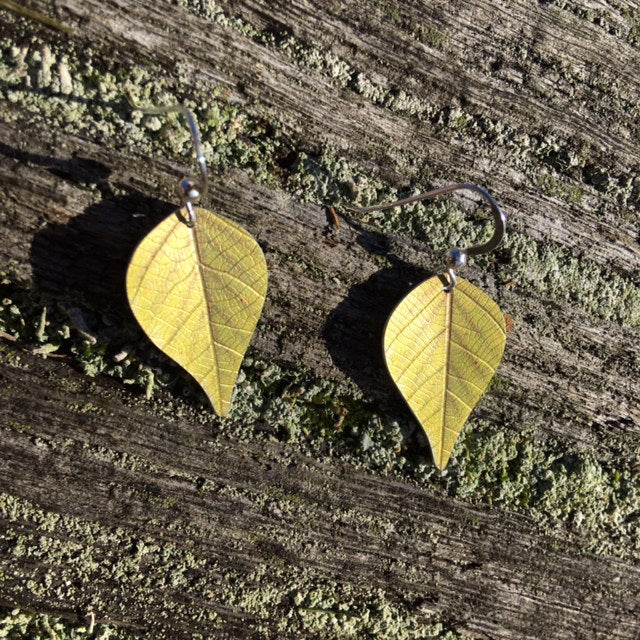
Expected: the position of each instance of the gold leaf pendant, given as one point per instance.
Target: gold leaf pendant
(198, 292)
(444, 341)
(442, 348)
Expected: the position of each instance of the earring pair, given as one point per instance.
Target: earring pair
(197, 285)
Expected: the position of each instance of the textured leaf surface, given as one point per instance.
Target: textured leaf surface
(442, 349)
(198, 294)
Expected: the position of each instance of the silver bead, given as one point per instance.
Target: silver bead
(189, 189)
(457, 258)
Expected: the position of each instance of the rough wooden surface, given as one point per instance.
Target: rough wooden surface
(315, 510)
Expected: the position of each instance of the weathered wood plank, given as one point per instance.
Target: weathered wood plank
(160, 517)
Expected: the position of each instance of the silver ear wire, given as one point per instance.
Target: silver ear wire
(456, 257)
(190, 188)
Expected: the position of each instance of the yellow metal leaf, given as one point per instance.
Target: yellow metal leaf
(442, 349)
(198, 294)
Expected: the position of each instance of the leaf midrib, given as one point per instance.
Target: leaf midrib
(448, 328)
(212, 340)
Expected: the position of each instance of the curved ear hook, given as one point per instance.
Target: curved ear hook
(457, 257)
(189, 188)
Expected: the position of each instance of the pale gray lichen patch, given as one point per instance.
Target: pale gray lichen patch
(316, 605)
(272, 598)
(234, 138)
(492, 463)
(16, 624)
(553, 484)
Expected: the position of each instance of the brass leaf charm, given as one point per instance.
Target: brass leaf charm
(198, 294)
(442, 348)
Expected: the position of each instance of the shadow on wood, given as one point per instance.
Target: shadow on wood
(88, 257)
(355, 328)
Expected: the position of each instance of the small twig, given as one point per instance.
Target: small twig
(42, 325)
(332, 216)
(47, 627)
(75, 315)
(509, 323)
(9, 5)
(46, 349)
(91, 617)
(122, 354)
(148, 389)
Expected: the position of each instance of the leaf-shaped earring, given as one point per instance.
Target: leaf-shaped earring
(445, 339)
(197, 283)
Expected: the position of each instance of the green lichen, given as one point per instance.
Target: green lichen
(97, 104)
(16, 624)
(273, 598)
(425, 33)
(553, 187)
(17, 426)
(544, 267)
(554, 484)
(482, 133)
(552, 272)
(633, 19)
(391, 12)
(78, 555)
(492, 463)
(428, 34)
(234, 138)
(615, 19)
(43, 323)
(316, 605)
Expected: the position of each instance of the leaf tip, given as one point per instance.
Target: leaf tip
(441, 460)
(219, 403)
